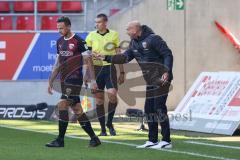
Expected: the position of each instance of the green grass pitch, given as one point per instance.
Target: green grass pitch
(21, 140)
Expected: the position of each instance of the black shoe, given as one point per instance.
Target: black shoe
(111, 130)
(94, 142)
(103, 133)
(55, 143)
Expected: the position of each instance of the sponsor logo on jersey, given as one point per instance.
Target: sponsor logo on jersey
(66, 53)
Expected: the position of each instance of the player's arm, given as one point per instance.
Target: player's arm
(55, 71)
(87, 57)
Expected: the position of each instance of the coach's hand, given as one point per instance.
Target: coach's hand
(165, 78)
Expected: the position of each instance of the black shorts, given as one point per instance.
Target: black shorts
(71, 89)
(106, 76)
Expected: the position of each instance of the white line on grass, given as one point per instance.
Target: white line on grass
(214, 145)
(129, 144)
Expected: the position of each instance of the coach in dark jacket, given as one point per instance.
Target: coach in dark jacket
(156, 61)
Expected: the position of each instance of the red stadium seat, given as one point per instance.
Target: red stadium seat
(49, 22)
(71, 6)
(25, 23)
(6, 23)
(4, 7)
(23, 6)
(45, 6)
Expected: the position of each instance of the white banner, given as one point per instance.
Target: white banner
(214, 104)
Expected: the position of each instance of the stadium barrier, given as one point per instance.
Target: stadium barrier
(214, 104)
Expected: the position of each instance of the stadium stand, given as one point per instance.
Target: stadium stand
(71, 6)
(4, 7)
(6, 23)
(48, 22)
(25, 23)
(23, 6)
(45, 6)
(82, 12)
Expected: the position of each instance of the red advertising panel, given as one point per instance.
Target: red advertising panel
(13, 47)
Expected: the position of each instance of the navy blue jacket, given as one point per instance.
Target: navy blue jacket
(151, 52)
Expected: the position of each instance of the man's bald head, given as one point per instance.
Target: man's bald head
(134, 29)
(135, 24)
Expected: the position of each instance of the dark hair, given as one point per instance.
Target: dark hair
(103, 16)
(64, 19)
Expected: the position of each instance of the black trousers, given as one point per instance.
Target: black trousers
(156, 112)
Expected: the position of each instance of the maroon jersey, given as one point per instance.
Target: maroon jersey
(70, 57)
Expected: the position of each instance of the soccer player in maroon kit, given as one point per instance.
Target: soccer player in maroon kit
(72, 53)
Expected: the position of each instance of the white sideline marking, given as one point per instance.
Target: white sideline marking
(214, 145)
(25, 57)
(129, 144)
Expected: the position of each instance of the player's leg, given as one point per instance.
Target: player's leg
(84, 122)
(111, 85)
(62, 123)
(99, 97)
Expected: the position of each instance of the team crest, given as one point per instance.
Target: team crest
(68, 91)
(144, 44)
(71, 46)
